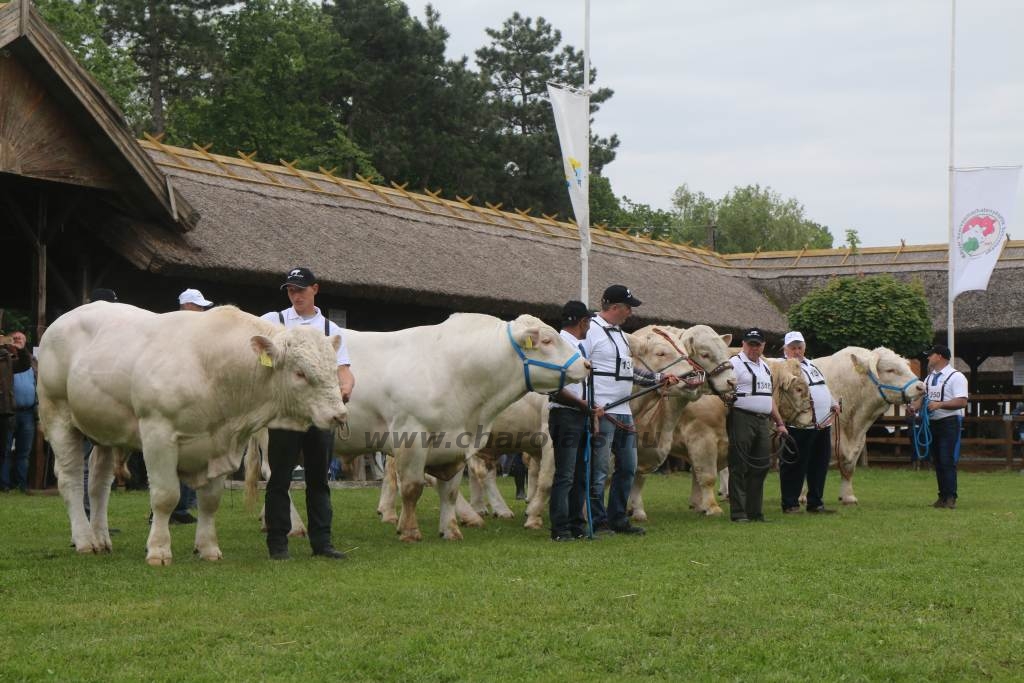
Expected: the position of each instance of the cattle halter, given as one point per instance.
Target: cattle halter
(717, 370)
(881, 387)
(527, 362)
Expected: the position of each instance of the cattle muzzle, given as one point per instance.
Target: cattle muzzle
(904, 396)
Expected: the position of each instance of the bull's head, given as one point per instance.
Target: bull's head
(890, 373)
(791, 393)
(305, 380)
(709, 351)
(549, 362)
(654, 349)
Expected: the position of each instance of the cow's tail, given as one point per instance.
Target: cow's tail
(254, 453)
(121, 471)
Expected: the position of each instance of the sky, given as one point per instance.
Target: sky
(843, 105)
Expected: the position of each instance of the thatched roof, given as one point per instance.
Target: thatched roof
(989, 322)
(390, 245)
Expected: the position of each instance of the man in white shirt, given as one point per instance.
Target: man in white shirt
(614, 376)
(947, 398)
(315, 444)
(747, 427)
(568, 419)
(813, 442)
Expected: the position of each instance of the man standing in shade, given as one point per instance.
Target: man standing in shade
(947, 398)
(748, 430)
(315, 444)
(568, 420)
(614, 376)
(813, 442)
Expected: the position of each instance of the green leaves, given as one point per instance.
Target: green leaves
(864, 311)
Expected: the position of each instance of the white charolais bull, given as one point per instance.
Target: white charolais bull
(701, 437)
(658, 418)
(428, 395)
(188, 390)
(867, 383)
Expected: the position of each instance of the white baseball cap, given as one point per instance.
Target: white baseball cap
(193, 296)
(792, 337)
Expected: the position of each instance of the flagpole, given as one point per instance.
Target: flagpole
(950, 331)
(585, 229)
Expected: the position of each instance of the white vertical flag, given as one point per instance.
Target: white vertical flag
(983, 201)
(572, 120)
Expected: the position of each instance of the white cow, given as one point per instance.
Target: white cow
(867, 383)
(701, 437)
(428, 396)
(705, 349)
(187, 390)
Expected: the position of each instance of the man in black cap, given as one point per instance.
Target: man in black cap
(315, 444)
(613, 379)
(947, 398)
(748, 428)
(567, 424)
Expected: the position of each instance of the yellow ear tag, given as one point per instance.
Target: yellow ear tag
(529, 343)
(265, 360)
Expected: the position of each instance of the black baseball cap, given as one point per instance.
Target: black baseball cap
(103, 294)
(754, 334)
(620, 294)
(299, 277)
(574, 311)
(940, 349)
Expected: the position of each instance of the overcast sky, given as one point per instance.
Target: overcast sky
(843, 105)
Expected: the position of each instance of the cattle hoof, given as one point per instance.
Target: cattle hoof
(639, 516)
(158, 561)
(412, 536)
(505, 515)
(533, 523)
(389, 519)
(213, 556)
(849, 501)
(713, 512)
(451, 535)
(476, 523)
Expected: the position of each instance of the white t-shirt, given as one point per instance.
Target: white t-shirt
(612, 364)
(939, 389)
(293, 319)
(576, 389)
(821, 397)
(754, 382)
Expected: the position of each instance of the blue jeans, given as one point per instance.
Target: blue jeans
(945, 451)
(568, 490)
(612, 439)
(16, 457)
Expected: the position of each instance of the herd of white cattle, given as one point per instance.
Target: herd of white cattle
(194, 392)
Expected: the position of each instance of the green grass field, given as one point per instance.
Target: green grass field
(889, 590)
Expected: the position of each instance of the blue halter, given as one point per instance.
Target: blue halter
(881, 387)
(527, 362)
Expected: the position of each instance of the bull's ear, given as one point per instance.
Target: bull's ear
(265, 350)
(859, 365)
(727, 338)
(336, 341)
(529, 338)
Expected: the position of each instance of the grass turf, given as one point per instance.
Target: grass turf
(888, 590)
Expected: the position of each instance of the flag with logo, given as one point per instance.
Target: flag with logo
(983, 201)
(572, 121)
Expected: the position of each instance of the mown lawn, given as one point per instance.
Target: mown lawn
(889, 590)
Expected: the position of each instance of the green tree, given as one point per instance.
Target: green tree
(864, 311)
(79, 26)
(172, 41)
(753, 217)
(517, 65)
(274, 90)
(644, 220)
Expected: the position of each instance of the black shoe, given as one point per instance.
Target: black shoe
(740, 519)
(603, 529)
(821, 510)
(628, 528)
(939, 503)
(950, 504)
(563, 538)
(759, 518)
(330, 552)
(280, 554)
(795, 510)
(182, 518)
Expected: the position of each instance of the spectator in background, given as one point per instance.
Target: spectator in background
(13, 360)
(18, 444)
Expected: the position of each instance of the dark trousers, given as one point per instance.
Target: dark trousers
(569, 488)
(810, 463)
(749, 449)
(283, 453)
(944, 452)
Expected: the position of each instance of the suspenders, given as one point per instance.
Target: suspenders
(618, 357)
(808, 375)
(753, 382)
